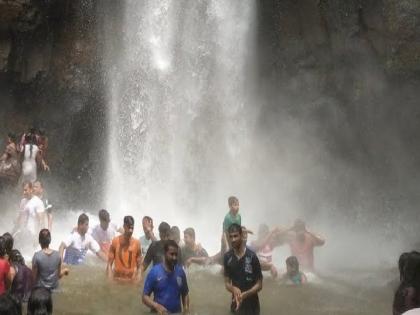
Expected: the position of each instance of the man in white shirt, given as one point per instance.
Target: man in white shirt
(35, 212)
(104, 232)
(78, 243)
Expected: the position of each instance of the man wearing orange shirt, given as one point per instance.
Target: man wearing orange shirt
(125, 255)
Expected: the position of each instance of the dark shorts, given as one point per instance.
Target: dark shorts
(248, 307)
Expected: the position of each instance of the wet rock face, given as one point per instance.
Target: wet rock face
(333, 55)
(49, 78)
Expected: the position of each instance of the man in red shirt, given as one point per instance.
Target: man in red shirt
(302, 244)
(4, 267)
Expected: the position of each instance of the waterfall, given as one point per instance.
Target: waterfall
(181, 109)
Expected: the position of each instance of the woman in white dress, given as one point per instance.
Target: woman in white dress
(31, 159)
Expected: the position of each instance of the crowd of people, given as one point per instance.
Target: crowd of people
(160, 260)
(23, 158)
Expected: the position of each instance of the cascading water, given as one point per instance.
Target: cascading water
(181, 109)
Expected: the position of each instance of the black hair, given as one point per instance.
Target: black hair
(8, 242)
(168, 244)
(44, 238)
(39, 182)
(164, 228)
(16, 257)
(9, 306)
(292, 261)
(83, 218)
(402, 261)
(190, 231)
(31, 140)
(40, 302)
(12, 137)
(232, 200)
(2, 247)
(234, 227)
(103, 215)
(146, 217)
(128, 220)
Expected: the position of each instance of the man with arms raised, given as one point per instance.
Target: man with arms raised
(168, 283)
(243, 276)
(148, 237)
(302, 243)
(125, 255)
(79, 242)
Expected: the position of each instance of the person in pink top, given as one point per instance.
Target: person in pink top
(4, 267)
(302, 244)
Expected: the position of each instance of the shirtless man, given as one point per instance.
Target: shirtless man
(265, 244)
(302, 244)
(125, 255)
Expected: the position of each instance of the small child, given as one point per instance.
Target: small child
(233, 216)
(293, 276)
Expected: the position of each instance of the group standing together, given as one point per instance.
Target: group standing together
(129, 259)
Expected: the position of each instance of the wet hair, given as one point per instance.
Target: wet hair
(31, 140)
(168, 244)
(16, 257)
(234, 227)
(292, 261)
(8, 242)
(190, 231)
(164, 228)
(9, 306)
(103, 215)
(146, 217)
(29, 184)
(402, 262)
(38, 182)
(175, 232)
(40, 302)
(12, 137)
(410, 278)
(44, 238)
(83, 218)
(2, 247)
(128, 220)
(232, 200)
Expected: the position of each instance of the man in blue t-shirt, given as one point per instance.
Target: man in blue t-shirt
(168, 283)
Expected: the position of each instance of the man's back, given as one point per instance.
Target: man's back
(48, 268)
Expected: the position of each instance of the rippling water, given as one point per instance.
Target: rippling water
(87, 291)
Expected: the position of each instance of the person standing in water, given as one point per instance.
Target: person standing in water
(156, 253)
(302, 244)
(78, 243)
(148, 237)
(104, 232)
(38, 189)
(168, 283)
(243, 276)
(125, 255)
(293, 275)
(193, 253)
(31, 159)
(46, 264)
(232, 217)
